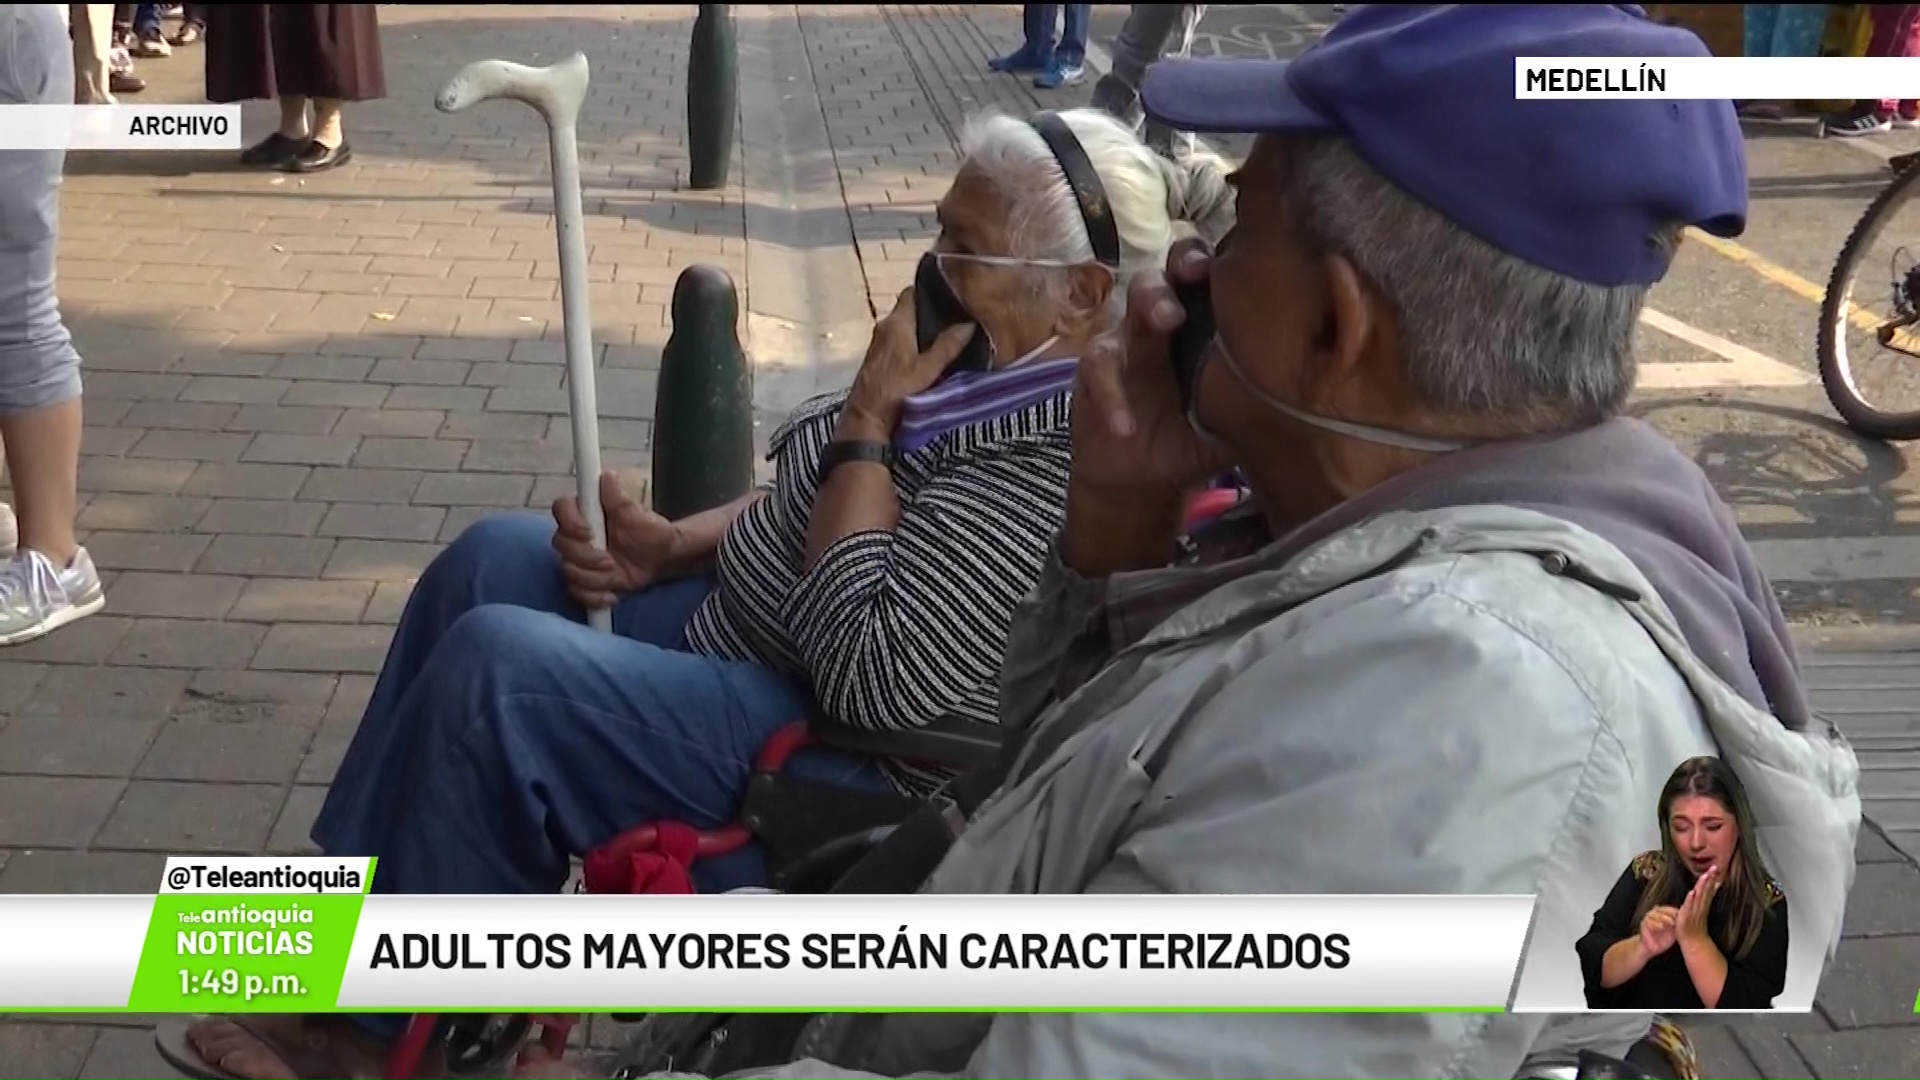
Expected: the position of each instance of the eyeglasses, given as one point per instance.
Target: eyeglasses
(1007, 260)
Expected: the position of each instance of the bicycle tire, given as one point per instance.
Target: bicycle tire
(1860, 414)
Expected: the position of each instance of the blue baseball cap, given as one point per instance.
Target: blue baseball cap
(1425, 95)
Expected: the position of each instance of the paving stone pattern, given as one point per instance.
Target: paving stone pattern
(298, 389)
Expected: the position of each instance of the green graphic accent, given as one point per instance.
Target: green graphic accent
(949, 1009)
(237, 953)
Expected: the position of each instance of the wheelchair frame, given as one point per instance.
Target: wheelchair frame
(953, 744)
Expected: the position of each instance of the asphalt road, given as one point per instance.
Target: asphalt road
(1728, 356)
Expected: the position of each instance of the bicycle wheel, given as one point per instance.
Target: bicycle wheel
(1884, 402)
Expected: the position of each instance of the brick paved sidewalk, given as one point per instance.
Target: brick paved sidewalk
(299, 389)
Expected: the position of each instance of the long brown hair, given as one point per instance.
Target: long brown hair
(1747, 889)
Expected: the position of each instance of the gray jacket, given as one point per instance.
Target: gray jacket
(1465, 723)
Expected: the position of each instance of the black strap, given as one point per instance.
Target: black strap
(1084, 180)
(840, 452)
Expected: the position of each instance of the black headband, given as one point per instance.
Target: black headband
(1085, 183)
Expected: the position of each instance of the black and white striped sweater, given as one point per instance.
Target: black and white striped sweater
(895, 629)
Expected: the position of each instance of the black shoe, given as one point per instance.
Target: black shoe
(274, 150)
(318, 157)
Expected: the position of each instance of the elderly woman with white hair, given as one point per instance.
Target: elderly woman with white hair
(873, 581)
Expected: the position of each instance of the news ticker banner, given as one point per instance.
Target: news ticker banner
(1734, 78)
(304, 935)
(120, 127)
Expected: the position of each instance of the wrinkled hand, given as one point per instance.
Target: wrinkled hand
(895, 369)
(1657, 931)
(1130, 435)
(642, 547)
(1691, 923)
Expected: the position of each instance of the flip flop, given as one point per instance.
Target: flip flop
(170, 1038)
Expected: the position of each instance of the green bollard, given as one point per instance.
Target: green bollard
(712, 94)
(703, 408)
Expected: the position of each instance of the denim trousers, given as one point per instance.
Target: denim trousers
(1039, 22)
(1150, 32)
(504, 736)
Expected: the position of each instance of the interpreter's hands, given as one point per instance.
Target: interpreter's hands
(642, 547)
(1657, 930)
(1691, 924)
(895, 369)
(1130, 436)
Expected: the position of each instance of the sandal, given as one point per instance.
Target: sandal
(186, 35)
(317, 1052)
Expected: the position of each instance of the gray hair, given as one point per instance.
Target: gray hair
(1148, 193)
(1488, 338)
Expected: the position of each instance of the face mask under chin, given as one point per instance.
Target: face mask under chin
(1369, 433)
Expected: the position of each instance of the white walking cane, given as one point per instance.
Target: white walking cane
(556, 93)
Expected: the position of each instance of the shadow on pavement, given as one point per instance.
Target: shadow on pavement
(134, 163)
(1796, 128)
(632, 130)
(1819, 477)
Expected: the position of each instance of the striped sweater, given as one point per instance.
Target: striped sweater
(896, 629)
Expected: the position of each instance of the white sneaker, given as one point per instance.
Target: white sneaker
(152, 47)
(9, 532)
(36, 598)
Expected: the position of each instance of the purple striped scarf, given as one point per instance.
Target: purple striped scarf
(976, 397)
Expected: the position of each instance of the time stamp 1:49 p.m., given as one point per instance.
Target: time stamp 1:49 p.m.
(232, 983)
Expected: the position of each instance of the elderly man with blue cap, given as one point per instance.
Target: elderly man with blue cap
(1479, 616)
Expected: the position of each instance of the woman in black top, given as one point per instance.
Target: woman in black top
(1697, 924)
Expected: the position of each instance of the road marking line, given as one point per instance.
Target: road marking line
(1742, 367)
(1760, 265)
(1861, 318)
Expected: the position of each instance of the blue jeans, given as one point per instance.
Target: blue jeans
(1148, 34)
(1040, 20)
(504, 736)
(146, 20)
